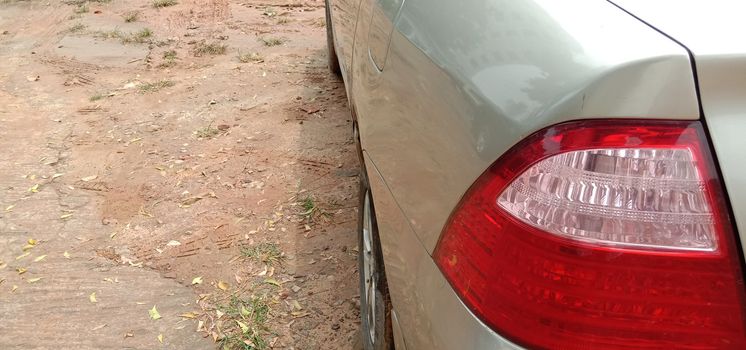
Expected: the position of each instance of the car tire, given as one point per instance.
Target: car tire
(332, 52)
(375, 305)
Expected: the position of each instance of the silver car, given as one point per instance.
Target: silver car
(548, 174)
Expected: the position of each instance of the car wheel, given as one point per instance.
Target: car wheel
(332, 56)
(375, 305)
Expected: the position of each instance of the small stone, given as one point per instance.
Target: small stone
(335, 326)
(295, 288)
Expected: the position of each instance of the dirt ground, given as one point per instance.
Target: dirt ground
(174, 174)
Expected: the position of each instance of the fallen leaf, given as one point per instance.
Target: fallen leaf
(173, 243)
(2, 280)
(21, 270)
(10, 207)
(200, 324)
(66, 216)
(32, 241)
(40, 258)
(160, 338)
(244, 327)
(296, 305)
(23, 255)
(197, 280)
(66, 255)
(189, 201)
(33, 78)
(89, 178)
(56, 175)
(3, 264)
(92, 297)
(113, 234)
(13, 290)
(272, 281)
(128, 335)
(34, 188)
(154, 313)
(190, 315)
(223, 285)
(244, 312)
(32, 280)
(219, 314)
(98, 327)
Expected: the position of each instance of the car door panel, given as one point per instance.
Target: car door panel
(344, 19)
(382, 24)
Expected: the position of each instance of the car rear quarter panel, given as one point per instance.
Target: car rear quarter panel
(466, 80)
(722, 83)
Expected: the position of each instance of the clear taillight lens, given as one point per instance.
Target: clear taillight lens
(600, 235)
(627, 197)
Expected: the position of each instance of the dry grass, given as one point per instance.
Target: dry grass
(164, 3)
(250, 57)
(270, 41)
(131, 16)
(156, 86)
(213, 48)
(76, 28)
(140, 37)
(81, 9)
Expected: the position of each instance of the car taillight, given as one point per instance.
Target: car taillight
(600, 235)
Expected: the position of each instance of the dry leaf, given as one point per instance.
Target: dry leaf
(10, 207)
(128, 335)
(34, 188)
(272, 281)
(154, 313)
(197, 280)
(13, 290)
(21, 270)
(89, 178)
(173, 243)
(98, 327)
(113, 234)
(244, 312)
(190, 315)
(33, 78)
(3, 264)
(189, 201)
(66, 216)
(66, 255)
(32, 241)
(27, 247)
(56, 175)
(219, 314)
(160, 338)
(40, 258)
(92, 297)
(32, 280)
(244, 327)
(23, 255)
(223, 285)
(296, 305)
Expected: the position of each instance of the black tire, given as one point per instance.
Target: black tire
(383, 339)
(332, 52)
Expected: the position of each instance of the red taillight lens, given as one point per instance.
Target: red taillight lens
(600, 235)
